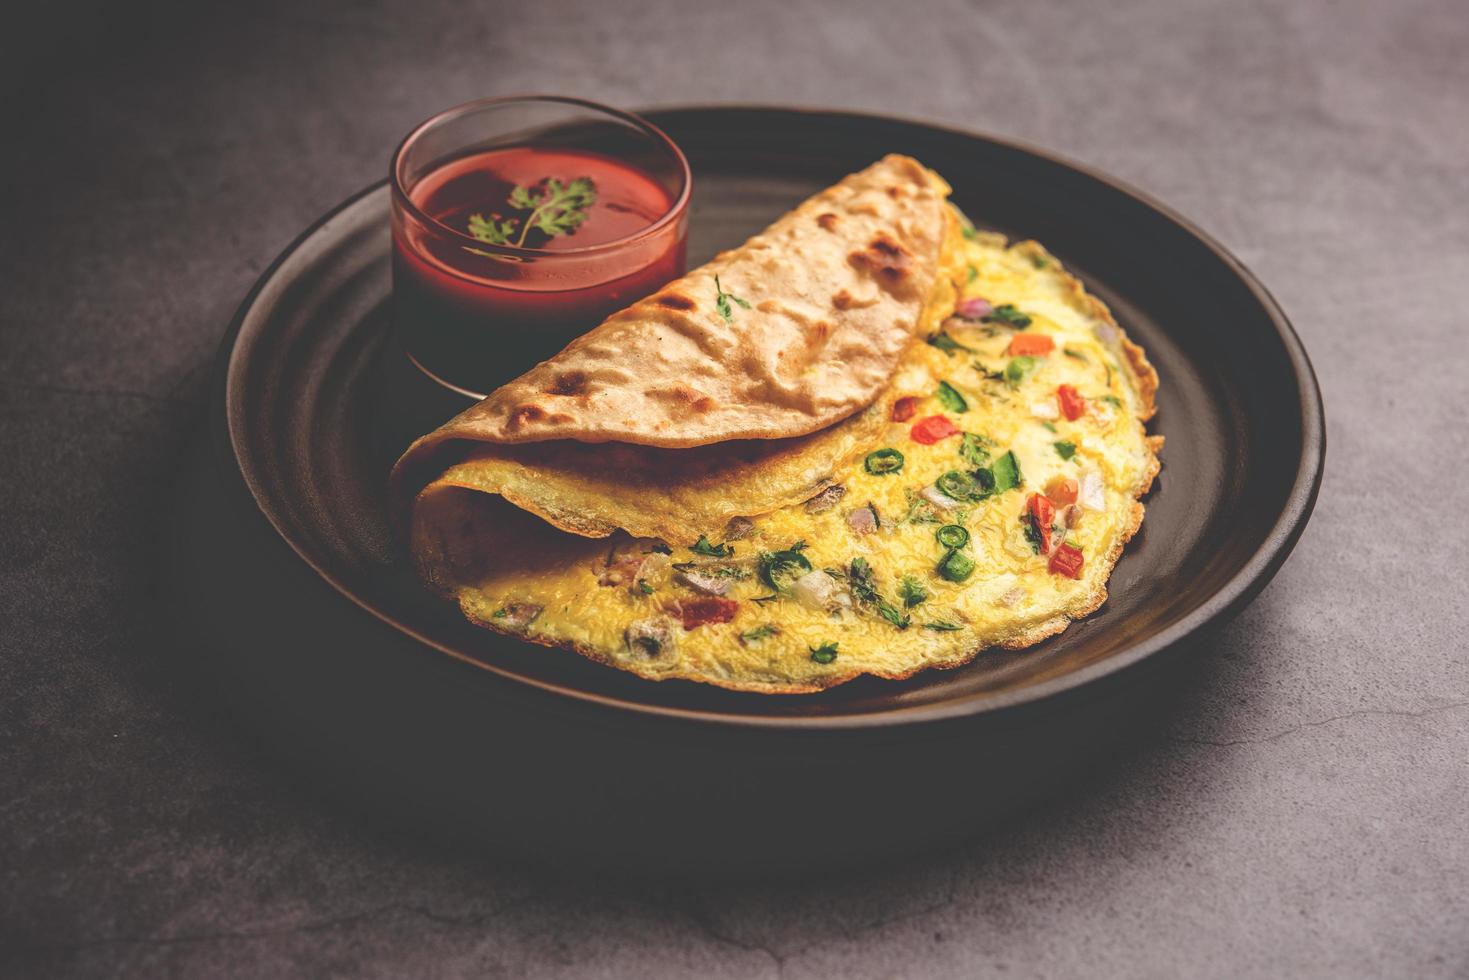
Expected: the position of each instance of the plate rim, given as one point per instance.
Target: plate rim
(1226, 600)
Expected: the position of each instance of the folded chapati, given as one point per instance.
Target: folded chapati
(773, 483)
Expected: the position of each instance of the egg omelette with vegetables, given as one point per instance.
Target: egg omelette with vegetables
(871, 440)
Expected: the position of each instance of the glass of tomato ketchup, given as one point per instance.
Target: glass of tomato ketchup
(520, 223)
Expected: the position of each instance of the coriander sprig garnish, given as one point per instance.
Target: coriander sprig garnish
(553, 209)
(722, 299)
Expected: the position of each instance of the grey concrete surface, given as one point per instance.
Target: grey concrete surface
(1303, 812)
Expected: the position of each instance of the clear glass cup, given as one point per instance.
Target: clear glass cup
(472, 313)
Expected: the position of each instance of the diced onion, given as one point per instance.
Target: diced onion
(1009, 599)
(1017, 545)
(654, 568)
(518, 615)
(1090, 494)
(826, 499)
(738, 528)
(974, 308)
(650, 638)
(705, 582)
(815, 590)
(937, 498)
(863, 520)
(1045, 409)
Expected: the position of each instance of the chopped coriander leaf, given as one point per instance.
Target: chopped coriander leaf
(560, 210)
(1032, 531)
(1017, 369)
(825, 653)
(1040, 261)
(864, 589)
(500, 613)
(883, 461)
(1007, 313)
(911, 591)
(943, 627)
(721, 302)
(952, 536)
(1048, 426)
(987, 374)
(950, 398)
(892, 614)
(1111, 400)
(945, 343)
(1075, 354)
(973, 449)
(956, 566)
(703, 547)
(973, 273)
(492, 231)
(1065, 449)
(1007, 473)
(970, 233)
(644, 587)
(758, 633)
(860, 573)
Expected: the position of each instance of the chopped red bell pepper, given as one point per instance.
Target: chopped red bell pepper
(930, 430)
(1067, 560)
(1073, 406)
(1030, 345)
(905, 408)
(706, 609)
(1042, 513)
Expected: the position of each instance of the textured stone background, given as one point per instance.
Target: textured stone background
(1305, 811)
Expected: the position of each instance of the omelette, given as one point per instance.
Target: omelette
(873, 493)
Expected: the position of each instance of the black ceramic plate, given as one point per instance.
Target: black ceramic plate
(335, 651)
(1238, 404)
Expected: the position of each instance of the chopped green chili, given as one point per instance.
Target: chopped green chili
(950, 398)
(882, 461)
(956, 566)
(952, 536)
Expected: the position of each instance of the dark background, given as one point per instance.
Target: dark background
(1301, 809)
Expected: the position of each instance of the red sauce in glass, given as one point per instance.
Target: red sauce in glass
(628, 200)
(479, 320)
